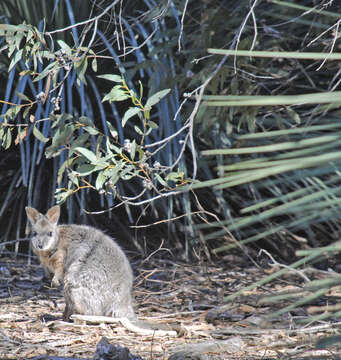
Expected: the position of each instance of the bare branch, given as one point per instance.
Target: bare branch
(96, 18)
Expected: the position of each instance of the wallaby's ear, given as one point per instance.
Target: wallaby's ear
(32, 214)
(53, 214)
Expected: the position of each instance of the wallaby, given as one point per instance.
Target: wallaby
(96, 273)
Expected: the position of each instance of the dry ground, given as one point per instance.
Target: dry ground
(30, 315)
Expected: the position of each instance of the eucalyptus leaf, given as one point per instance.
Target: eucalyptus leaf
(81, 67)
(17, 57)
(138, 130)
(85, 169)
(7, 139)
(100, 180)
(94, 65)
(129, 114)
(111, 77)
(63, 45)
(80, 140)
(39, 135)
(84, 120)
(116, 94)
(133, 150)
(152, 124)
(160, 180)
(154, 99)
(91, 130)
(87, 153)
(22, 96)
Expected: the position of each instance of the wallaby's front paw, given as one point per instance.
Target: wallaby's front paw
(55, 282)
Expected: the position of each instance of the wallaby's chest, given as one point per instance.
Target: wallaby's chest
(50, 259)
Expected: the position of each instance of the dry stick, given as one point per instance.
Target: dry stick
(251, 12)
(333, 44)
(182, 26)
(306, 330)
(168, 220)
(295, 271)
(138, 47)
(121, 27)
(156, 251)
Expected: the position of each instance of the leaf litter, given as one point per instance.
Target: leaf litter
(191, 296)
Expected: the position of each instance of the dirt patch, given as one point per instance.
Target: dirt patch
(186, 295)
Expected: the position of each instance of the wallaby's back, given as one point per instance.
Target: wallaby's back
(97, 275)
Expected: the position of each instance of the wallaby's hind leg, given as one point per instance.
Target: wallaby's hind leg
(68, 311)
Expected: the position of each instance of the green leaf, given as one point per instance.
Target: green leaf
(113, 147)
(116, 94)
(18, 38)
(62, 134)
(94, 65)
(129, 114)
(73, 178)
(39, 135)
(7, 139)
(111, 77)
(112, 130)
(114, 173)
(80, 140)
(67, 163)
(128, 172)
(17, 57)
(62, 196)
(61, 137)
(81, 67)
(63, 45)
(85, 169)
(175, 176)
(160, 180)
(22, 96)
(154, 99)
(91, 130)
(46, 71)
(152, 124)
(12, 112)
(133, 150)
(141, 89)
(87, 153)
(11, 49)
(138, 130)
(101, 178)
(84, 120)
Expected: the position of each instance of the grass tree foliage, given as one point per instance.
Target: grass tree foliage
(274, 106)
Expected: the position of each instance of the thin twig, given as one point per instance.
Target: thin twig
(182, 26)
(85, 21)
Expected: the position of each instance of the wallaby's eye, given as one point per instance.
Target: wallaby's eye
(34, 233)
(49, 233)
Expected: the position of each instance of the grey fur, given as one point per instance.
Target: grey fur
(96, 273)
